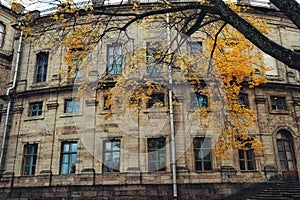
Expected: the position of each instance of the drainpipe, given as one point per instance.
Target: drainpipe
(172, 130)
(5, 130)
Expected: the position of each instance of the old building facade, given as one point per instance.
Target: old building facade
(56, 137)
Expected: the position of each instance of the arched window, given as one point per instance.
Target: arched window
(285, 150)
(2, 32)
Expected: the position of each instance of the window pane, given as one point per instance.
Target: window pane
(41, 67)
(156, 154)
(202, 153)
(68, 157)
(114, 59)
(111, 156)
(30, 158)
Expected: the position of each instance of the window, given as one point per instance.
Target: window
(68, 158)
(75, 70)
(199, 101)
(202, 153)
(194, 47)
(278, 103)
(157, 99)
(152, 52)
(72, 106)
(41, 67)
(30, 157)
(269, 61)
(157, 154)
(286, 150)
(35, 109)
(105, 102)
(111, 156)
(243, 99)
(246, 159)
(114, 58)
(2, 32)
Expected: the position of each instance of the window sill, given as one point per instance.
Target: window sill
(39, 85)
(70, 114)
(34, 118)
(282, 112)
(249, 171)
(204, 172)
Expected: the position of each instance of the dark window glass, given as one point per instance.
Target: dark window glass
(157, 99)
(2, 32)
(72, 106)
(30, 157)
(286, 150)
(41, 67)
(114, 58)
(278, 103)
(246, 160)
(68, 158)
(111, 156)
(202, 153)
(157, 154)
(35, 109)
(243, 99)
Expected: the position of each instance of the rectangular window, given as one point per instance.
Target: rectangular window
(75, 69)
(202, 153)
(41, 67)
(2, 32)
(68, 158)
(194, 47)
(111, 156)
(72, 106)
(157, 154)
(269, 61)
(35, 109)
(114, 58)
(30, 157)
(243, 99)
(105, 103)
(157, 100)
(152, 58)
(246, 159)
(198, 101)
(278, 103)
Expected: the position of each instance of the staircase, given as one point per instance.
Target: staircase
(285, 190)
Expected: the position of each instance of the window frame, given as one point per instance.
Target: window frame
(35, 109)
(201, 150)
(71, 164)
(156, 153)
(111, 168)
(190, 49)
(195, 102)
(246, 160)
(276, 109)
(161, 98)
(152, 65)
(116, 60)
(76, 103)
(41, 68)
(2, 34)
(244, 102)
(32, 157)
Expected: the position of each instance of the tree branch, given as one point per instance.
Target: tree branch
(289, 57)
(290, 8)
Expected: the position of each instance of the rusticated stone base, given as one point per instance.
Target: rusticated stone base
(209, 191)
